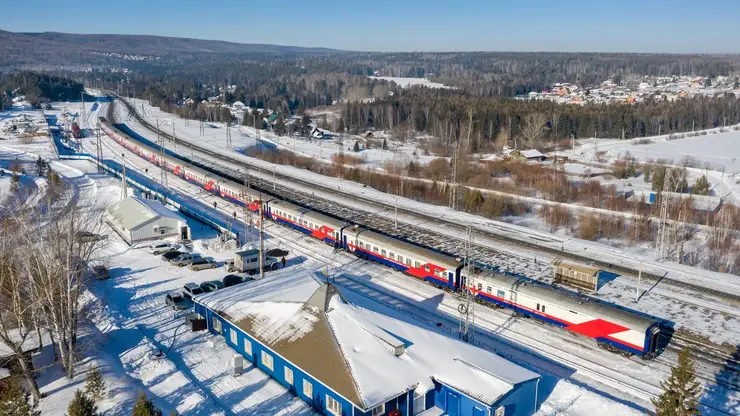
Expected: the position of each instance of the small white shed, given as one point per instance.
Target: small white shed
(138, 220)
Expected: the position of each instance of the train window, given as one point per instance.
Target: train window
(572, 311)
(392, 255)
(500, 293)
(400, 259)
(543, 308)
(480, 286)
(408, 261)
(417, 264)
(375, 249)
(538, 306)
(382, 253)
(426, 268)
(488, 289)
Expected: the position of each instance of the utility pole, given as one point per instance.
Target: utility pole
(82, 114)
(453, 190)
(663, 231)
(262, 240)
(639, 279)
(466, 330)
(174, 137)
(228, 135)
(123, 177)
(395, 215)
(274, 186)
(162, 163)
(99, 149)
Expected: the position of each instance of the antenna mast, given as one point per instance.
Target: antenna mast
(162, 162)
(453, 190)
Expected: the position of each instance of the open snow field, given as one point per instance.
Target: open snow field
(412, 82)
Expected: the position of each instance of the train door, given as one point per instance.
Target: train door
(654, 335)
(453, 404)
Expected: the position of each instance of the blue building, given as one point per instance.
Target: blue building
(348, 359)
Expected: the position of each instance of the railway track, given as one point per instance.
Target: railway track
(414, 233)
(631, 385)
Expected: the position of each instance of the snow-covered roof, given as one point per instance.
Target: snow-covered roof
(364, 355)
(133, 211)
(31, 342)
(531, 153)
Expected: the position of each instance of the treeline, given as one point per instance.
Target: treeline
(38, 88)
(478, 122)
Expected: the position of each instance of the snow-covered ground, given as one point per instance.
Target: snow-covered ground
(194, 378)
(411, 82)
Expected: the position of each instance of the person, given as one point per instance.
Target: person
(284, 261)
(214, 204)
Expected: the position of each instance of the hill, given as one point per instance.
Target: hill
(34, 49)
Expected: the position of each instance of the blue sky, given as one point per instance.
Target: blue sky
(711, 26)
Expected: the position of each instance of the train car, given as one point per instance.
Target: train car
(436, 268)
(316, 225)
(239, 194)
(611, 326)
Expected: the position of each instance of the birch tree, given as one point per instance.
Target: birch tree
(533, 128)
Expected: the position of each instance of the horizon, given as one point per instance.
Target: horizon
(573, 26)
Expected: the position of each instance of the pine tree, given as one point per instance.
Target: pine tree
(15, 401)
(701, 187)
(357, 146)
(145, 407)
(681, 392)
(82, 405)
(95, 385)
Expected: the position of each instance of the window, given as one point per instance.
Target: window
(480, 286)
(417, 264)
(543, 308)
(392, 255)
(488, 289)
(426, 268)
(408, 261)
(375, 249)
(361, 245)
(216, 325)
(400, 259)
(379, 410)
(267, 360)
(307, 389)
(501, 293)
(538, 306)
(382, 253)
(234, 339)
(161, 231)
(288, 376)
(333, 406)
(247, 347)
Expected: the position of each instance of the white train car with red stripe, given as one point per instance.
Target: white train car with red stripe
(319, 226)
(437, 268)
(611, 326)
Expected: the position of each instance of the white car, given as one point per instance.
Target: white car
(159, 248)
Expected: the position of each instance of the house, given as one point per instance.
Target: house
(188, 102)
(350, 360)
(530, 154)
(137, 220)
(703, 203)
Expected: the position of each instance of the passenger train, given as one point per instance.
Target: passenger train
(612, 326)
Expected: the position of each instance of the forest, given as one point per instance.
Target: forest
(38, 88)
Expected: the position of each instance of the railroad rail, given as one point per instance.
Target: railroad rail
(453, 246)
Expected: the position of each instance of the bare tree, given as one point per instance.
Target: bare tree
(533, 128)
(54, 262)
(554, 121)
(17, 308)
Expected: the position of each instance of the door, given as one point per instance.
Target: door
(453, 404)
(419, 403)
(184, 233)
(477, 411)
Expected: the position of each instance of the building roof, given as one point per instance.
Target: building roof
(359, 351)
(531, 153)
(133, 211)
(577, 267)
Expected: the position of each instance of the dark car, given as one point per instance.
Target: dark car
(170, 255)
(176, 301)
(232, 279)
(192, 289)
(101, 272)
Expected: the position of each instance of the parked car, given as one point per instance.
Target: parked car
(233, 279)
(211, 285)
(88, 237)
(184, 259)
(202, 264)
(160, 247)
(101, 272)
(176, 301)
(170, 255)
(191, 289)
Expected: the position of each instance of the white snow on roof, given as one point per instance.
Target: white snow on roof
(531, 153)
(133, 211)
(31, 342)
(371, 341)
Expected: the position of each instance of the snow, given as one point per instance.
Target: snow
(412, 82)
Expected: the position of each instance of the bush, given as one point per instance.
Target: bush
(95, 385)
(82, 405)
(15, 401)
(145, 407)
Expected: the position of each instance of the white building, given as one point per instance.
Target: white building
(138, 220)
